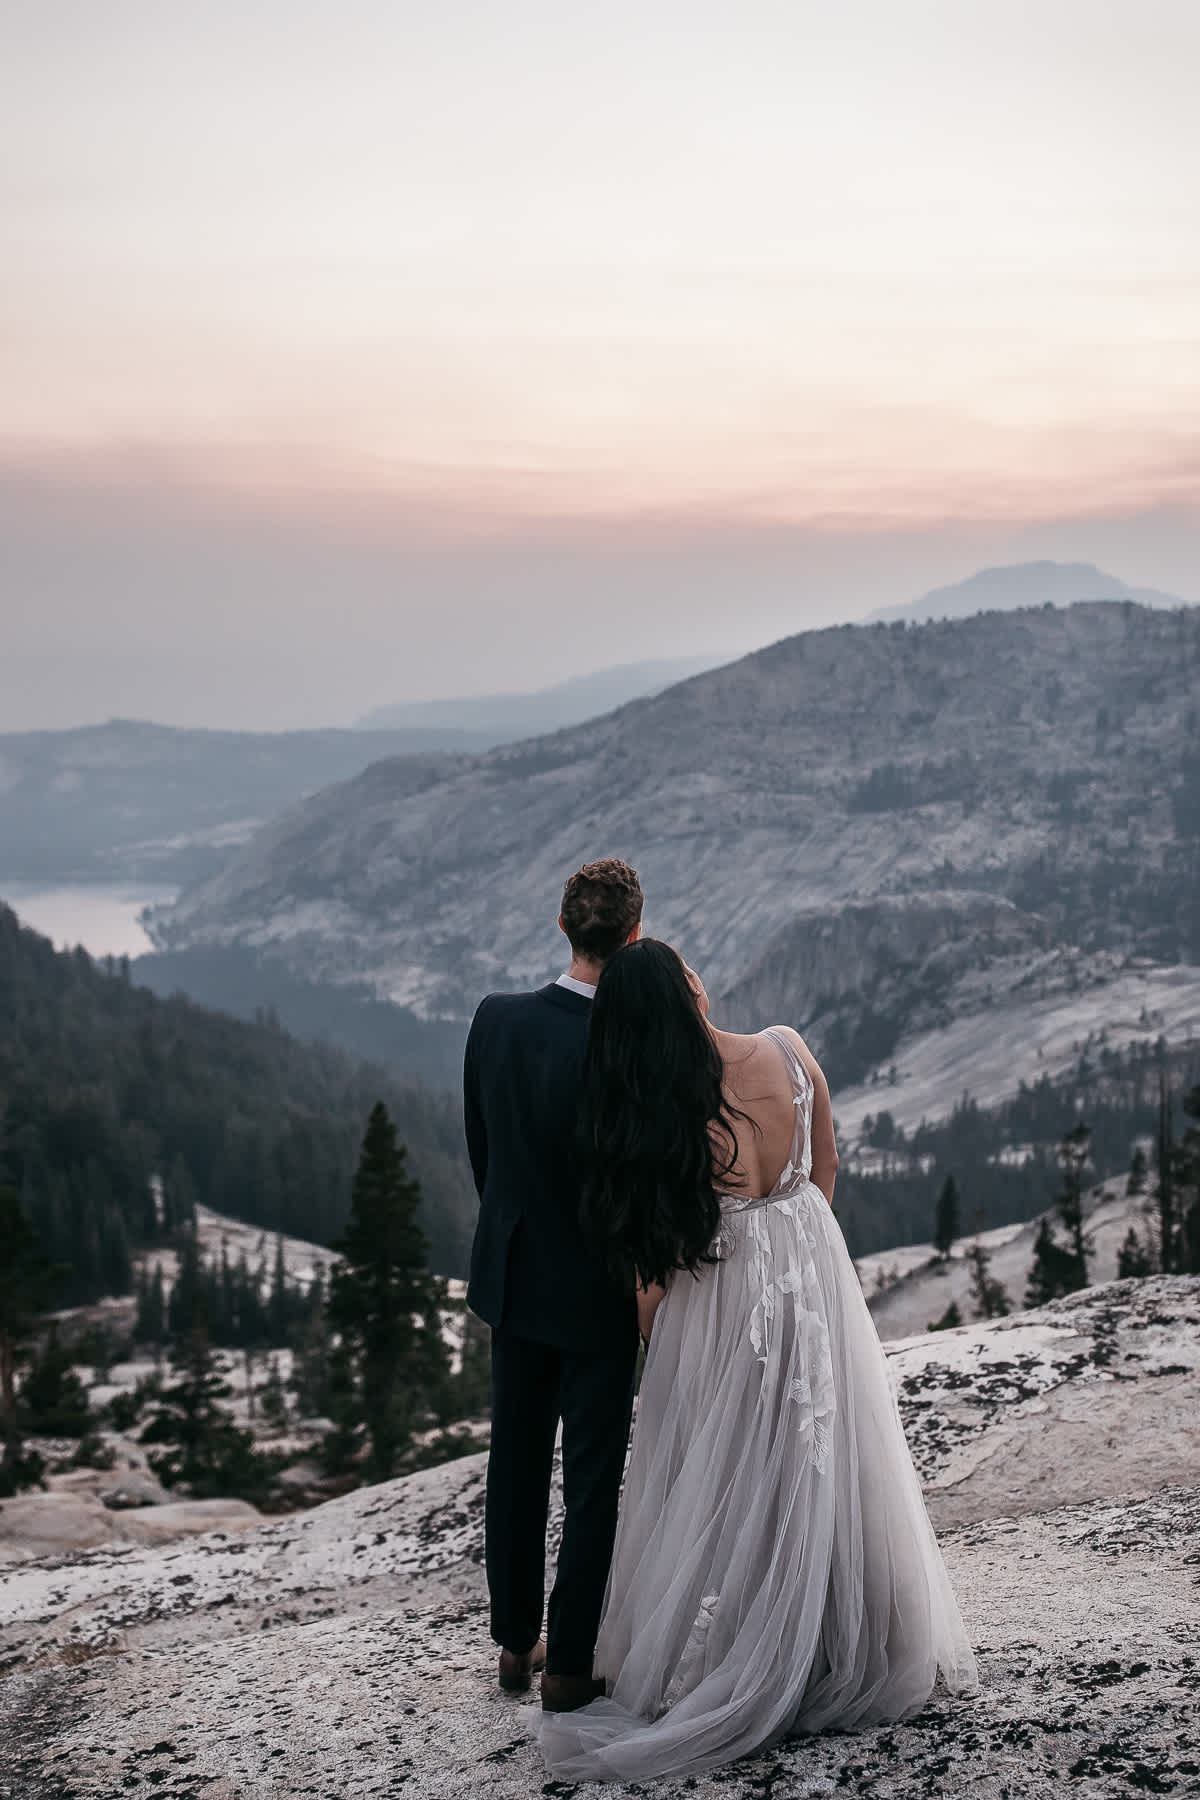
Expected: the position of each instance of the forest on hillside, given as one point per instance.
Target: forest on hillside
(1006, 1159)
(120, 1110)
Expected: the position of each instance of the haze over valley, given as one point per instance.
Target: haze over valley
(961, 856)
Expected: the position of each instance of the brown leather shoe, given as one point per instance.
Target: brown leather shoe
(567, 1693)
(517, 1672)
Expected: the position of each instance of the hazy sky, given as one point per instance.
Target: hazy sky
(365, 353)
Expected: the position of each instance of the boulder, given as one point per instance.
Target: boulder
(133, 1490)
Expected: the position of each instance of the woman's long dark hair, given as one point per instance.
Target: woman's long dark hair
(651, 1106)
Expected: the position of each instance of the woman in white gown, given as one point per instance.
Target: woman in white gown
(775, 1570)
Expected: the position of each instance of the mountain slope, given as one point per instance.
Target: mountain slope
(134, 801)
(504, 717)
(870, 832)
(119, 1111)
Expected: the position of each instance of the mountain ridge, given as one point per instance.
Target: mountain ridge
(1008, 586)
(844, 825)
(520, 715)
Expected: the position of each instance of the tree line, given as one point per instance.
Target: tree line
(120, 1112)
(1168, 1241)
(369, 1352)
(1116, 1090)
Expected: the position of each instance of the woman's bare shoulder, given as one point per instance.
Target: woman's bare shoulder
(792, 1037)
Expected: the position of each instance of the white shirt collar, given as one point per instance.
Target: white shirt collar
(586, 988)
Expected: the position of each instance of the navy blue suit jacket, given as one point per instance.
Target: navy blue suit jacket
(531, 1272)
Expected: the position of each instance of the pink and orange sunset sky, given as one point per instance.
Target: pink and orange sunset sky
(374, 352)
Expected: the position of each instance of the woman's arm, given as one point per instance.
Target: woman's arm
(649, 1299)
(824, 1144)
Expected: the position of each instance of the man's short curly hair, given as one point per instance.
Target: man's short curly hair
(601, 904)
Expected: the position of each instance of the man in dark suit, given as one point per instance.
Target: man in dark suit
(564, 1339)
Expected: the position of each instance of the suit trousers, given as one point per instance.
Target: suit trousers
(533, 1386)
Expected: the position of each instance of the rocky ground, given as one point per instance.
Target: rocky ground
(343, 1652)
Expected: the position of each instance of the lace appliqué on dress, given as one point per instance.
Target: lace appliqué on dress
(690, 1668)
(811, 1390)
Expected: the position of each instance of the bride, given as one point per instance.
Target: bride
(774, 1570)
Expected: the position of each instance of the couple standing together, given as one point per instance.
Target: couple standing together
(771, 1567)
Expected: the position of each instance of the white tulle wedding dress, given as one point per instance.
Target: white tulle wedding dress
(775, 1570)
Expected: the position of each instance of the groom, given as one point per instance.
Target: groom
(563, 1338)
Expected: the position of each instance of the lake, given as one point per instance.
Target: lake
(103, 917)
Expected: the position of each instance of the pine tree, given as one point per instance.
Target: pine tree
(187, 1298)
(946, 1218)
(473, 1382)
(1074, 1153)
(381, 1300)
(990, 1295)
(204, 1449)
(1053, 1269)
(341, 1446)
(272, 1397)
(52, 1398)
(1133, 1259)
(26, 1280)
(310, 1365)
(1189, 1168)
(1164, 1172)
(116, 1264)
(157, 1306)
(278, 1297)
(949, 1319)
(1136, 1180)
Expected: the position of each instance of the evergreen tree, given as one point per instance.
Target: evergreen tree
(187, 1299)
(1053, 1269)
(115, 1261)
(473, 1382)
(150, 1317)
(52, 1398)
(204, 1449)
(949, 1319)
(1136, 1180)
(26, 1279)
(1057, 1268)
(432, 1366)
(1074, 1154)
(1165, 1184)
(990, 1295)
(341, 1446)
(1133, 1259)
(382, 1299)
(946, 1218)
(227, 1311)
(1189, 1161)
(272, 1398)
(278, 1311)
(310, 1364)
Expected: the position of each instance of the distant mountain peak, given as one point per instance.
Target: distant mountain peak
(1011, 585)
(570, 702)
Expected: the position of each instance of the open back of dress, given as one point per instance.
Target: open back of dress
(775, 1570)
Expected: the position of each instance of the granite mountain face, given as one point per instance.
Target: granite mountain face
(868, 831)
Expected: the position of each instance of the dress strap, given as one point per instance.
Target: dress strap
(800, 1074)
